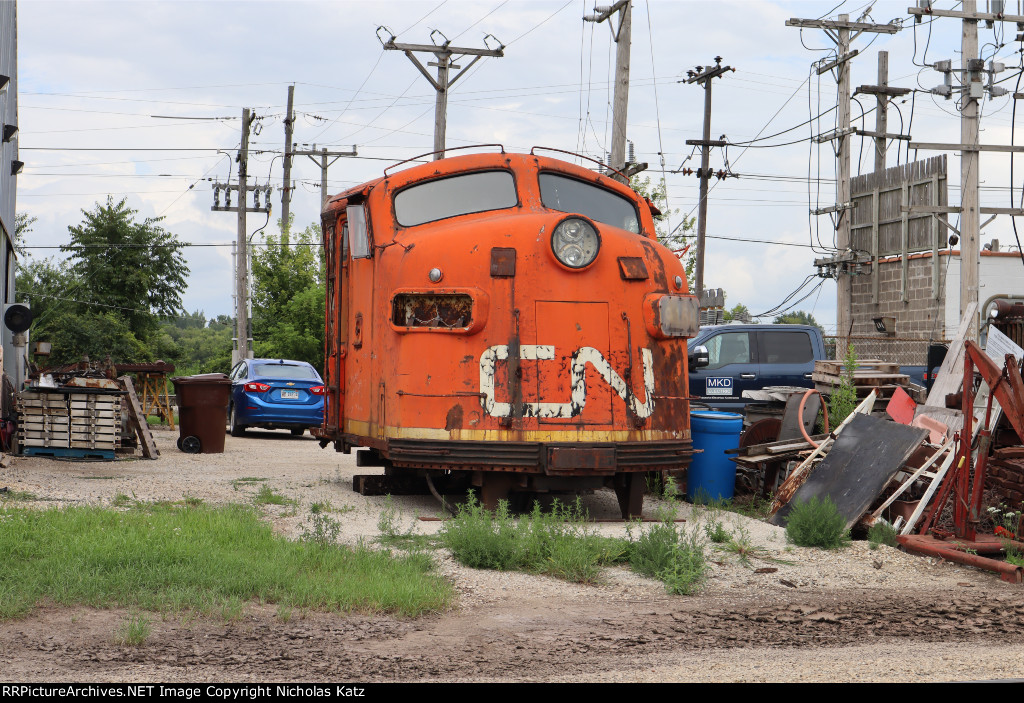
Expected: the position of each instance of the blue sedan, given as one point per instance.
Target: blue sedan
(275, 394)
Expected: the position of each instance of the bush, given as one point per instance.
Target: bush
(882, 533)
(559, 544)
(670, 555)
(817, 523)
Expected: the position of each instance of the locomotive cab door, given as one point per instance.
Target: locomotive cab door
(336, 237)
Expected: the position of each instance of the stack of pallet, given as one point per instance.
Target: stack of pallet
(44, 422)
(95, 422)
(69, 424)
(870, 375)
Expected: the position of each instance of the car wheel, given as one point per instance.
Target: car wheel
(237, 430)
(299, 432)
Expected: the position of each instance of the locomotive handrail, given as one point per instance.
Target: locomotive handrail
(441, 151)
(573, 153)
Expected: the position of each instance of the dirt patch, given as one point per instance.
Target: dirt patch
(856, 614)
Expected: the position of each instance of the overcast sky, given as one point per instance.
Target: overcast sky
(98, 82)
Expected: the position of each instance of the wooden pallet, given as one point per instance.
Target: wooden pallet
(863, 378)
(836, 368)
(138, 420)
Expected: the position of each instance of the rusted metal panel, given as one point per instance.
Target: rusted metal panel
(503, 262)
(570, 459)
(632, 268)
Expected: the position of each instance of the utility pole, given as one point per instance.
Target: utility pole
(883, 94)
(242, 254)
(324, 163)
(622, 36)
(972, 89)
(844, 263)
(445, 55)
(286, 185)
(704, 77)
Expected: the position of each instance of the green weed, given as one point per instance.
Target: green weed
(817, 523)
(246, 481)
(560, 543)
(843, 399)
(133, 631)
(882, 533)
(266, 496)
(14, 496)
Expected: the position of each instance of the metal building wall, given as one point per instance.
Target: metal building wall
(8, 153)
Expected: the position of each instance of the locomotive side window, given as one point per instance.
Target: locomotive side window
(458, 195)
(359, 233)
(570, 195)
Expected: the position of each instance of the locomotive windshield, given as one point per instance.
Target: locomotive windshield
(570, 195)
(458, 195)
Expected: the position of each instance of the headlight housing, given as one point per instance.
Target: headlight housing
(575, 242)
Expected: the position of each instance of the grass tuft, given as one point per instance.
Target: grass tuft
(882, 533)
(559, 543)
(817, 523)
(133, 631)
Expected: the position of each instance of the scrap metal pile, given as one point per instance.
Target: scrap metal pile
(946, 478)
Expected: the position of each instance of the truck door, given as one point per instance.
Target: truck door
(732, 369)
(786, 358)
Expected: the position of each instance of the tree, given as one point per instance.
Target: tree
(288, 297)
(797, 318)
(739, 313)
(22, 226)
(674, 239)
(133, 268)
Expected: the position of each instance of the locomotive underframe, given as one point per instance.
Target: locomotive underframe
(501, 468)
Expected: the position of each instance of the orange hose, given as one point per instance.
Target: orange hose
(800, 415)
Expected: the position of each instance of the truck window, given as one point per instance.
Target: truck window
(728, 348)
(793, 347)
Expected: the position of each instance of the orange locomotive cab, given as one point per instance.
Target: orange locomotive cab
(507, 321)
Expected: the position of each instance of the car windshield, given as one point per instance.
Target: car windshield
(285, 371)
(457, 195)
(570, 195)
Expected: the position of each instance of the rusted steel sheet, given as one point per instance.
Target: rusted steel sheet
(104, 383)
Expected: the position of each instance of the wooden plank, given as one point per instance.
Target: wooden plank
(923, 471)
(951, 373)
(138, 420)
(102, 424)
(926, 498)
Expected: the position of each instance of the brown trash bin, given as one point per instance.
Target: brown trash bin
(202, 412)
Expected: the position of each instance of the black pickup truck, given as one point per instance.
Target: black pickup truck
(750, 357)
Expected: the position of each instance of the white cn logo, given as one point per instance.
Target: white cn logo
(577, 382)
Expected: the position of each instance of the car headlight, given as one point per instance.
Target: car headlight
(575, 242)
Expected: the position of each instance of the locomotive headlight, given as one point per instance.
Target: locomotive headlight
(575, 242)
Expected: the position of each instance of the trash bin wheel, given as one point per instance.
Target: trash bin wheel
(179, 443)
(190, 444)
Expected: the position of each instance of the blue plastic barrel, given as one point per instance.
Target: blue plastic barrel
(712, 475)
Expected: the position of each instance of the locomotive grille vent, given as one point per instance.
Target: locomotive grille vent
(443, 310)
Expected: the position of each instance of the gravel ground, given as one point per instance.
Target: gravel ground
(874, 601)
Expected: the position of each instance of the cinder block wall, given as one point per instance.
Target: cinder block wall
(920, 317)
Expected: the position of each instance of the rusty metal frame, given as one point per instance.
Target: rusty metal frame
(967, 545)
